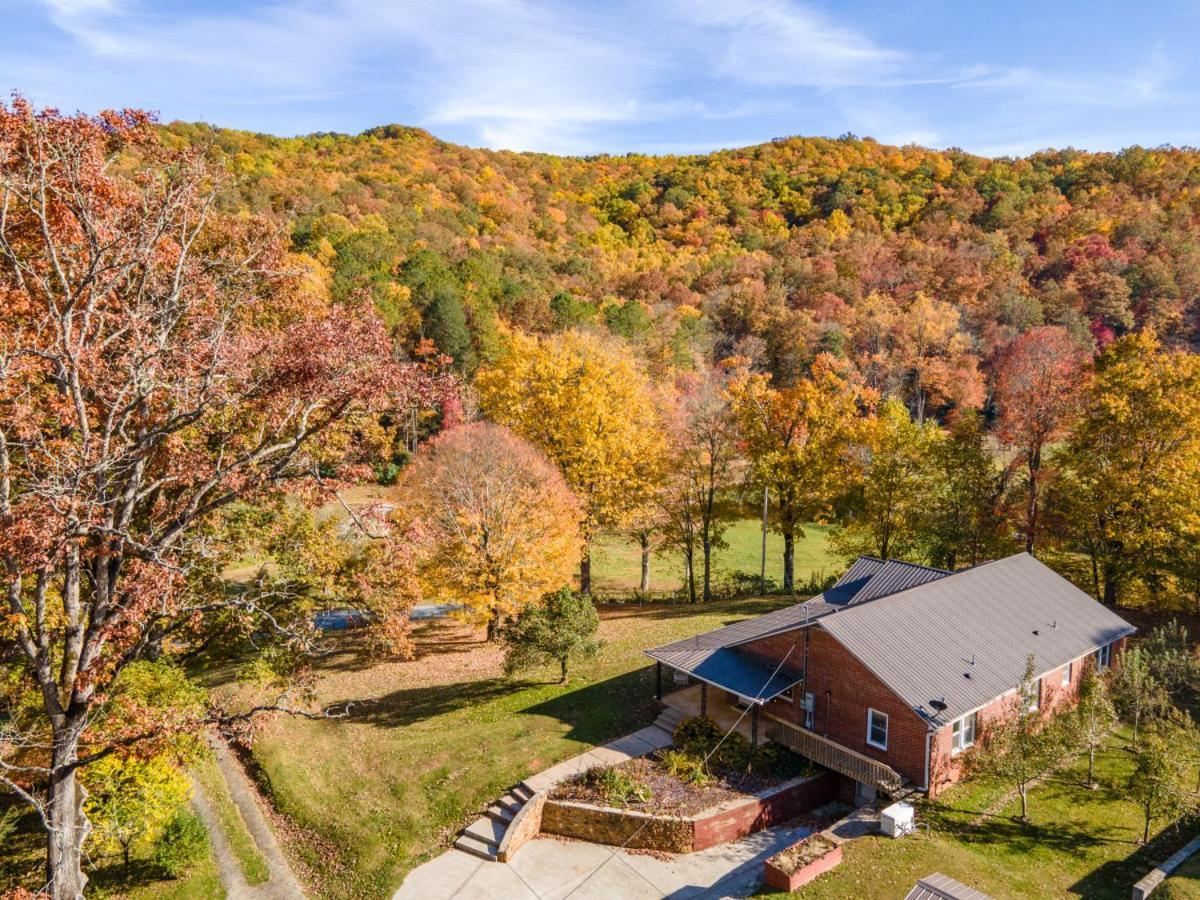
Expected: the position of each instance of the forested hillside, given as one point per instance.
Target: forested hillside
(916, 265)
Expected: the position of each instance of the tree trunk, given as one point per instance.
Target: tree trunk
(1023, 790)
(1091, 766)
(69, 826)
(706, 546)
(689, 573)
(789, 561)
(585, 571)
(645, 541)
(1110, 591)
(1146, 826)
(1031, 510)
(493, 626)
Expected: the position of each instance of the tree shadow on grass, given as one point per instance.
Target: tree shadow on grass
(603, 710)
(408, 706)
(1116, 877)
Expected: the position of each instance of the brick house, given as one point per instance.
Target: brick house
(888, 676)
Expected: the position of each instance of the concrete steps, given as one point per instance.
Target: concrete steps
(483, 836)
(669, 718)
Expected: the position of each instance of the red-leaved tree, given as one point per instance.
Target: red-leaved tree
(154, 367)
(1037, 393)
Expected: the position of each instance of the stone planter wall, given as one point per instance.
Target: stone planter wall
(675, 834)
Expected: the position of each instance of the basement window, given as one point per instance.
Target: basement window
(877, 729)
(962, 733)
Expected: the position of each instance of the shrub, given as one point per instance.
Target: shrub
(687, 768)
(697, 735)
(183, 843)
(616, 786)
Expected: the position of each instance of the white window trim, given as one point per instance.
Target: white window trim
(871, 711)
(1067, 674)
(1103, 657)
(961, 722)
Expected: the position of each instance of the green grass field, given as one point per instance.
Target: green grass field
(1077, 842)
(442, 736)
(617, 562)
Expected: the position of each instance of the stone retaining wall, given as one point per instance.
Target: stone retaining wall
(675, 834)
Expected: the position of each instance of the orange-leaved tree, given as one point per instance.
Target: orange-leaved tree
(153, 370)
(499, 527)
(798, 440)
(1037, 396)
(586, 403)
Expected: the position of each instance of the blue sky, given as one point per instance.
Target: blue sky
(670, 76)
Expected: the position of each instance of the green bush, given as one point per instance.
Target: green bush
(616, 786)
(183, 843)
(697, 735)
(687, 768)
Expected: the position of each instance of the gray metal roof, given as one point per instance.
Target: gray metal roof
(859, 573)
(894, 576)
(963, 639)
(942, 887)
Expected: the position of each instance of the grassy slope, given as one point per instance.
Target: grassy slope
(1184, 884)
(383, 791)
(252, 864)
(616, 562)
(1077, 842)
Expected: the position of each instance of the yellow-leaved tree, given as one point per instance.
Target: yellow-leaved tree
(497, 526)
(798, 440)
(587, 404)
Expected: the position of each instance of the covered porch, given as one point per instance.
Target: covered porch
(758, 726)
(702, 699)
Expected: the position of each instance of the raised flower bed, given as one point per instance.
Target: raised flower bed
(800, 863)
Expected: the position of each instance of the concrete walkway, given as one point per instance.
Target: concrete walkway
(549, 869)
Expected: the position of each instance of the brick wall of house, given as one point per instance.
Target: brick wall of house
(844, 690)
(947, 767)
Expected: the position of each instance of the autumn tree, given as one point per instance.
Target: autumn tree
(1018, 745)
(131, 800)
(890, 485)
(935, 357)
(962, 516)
(153, 370)
(1131, 464)
(586, 404)
(560, 628)
(498, 525)
(798, 441)
(702, 459)
(1037, 396)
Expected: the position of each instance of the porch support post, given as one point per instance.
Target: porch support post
(657, 680)
(704, 698)
(754, 725)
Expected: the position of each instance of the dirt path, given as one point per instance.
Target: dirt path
(283, 884)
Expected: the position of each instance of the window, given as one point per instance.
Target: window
(877, 728)
(1103, 657)
(1067, 673)
(962, 733)
(1035, 695)
(810, 706)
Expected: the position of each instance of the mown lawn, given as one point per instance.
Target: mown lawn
(1078, 842)
(444, 735)
(251, 862)
(617, 561)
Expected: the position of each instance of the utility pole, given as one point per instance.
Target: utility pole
(762, 577)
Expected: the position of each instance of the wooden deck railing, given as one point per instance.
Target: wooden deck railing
(833, 755)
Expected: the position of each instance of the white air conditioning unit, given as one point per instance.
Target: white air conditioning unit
(897, 820)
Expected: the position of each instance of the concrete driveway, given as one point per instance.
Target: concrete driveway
(549, 869)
